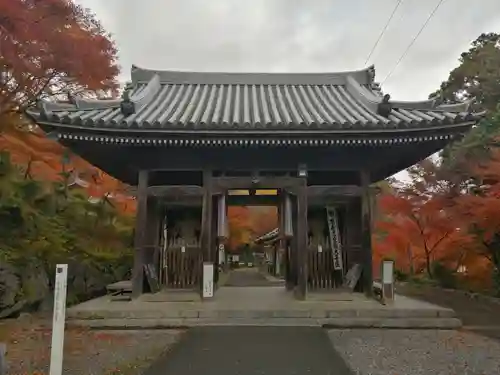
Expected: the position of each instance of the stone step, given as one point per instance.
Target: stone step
(380, 313)
(353, 322)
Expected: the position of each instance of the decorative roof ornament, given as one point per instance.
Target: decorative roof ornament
(376, 88)
(71, 98)
(438, 98)
(384, 108)
(371, 74)
(127, 106)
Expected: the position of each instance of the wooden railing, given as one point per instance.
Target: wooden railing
(321, 274)
(183, 267)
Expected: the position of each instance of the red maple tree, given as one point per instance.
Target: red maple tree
(51, 47)
(418, 225)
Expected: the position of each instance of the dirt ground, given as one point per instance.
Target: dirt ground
(85, 352)
(477, 315)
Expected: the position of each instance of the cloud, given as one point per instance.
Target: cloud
(297, 36)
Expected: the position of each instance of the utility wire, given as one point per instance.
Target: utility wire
(413, 41)
(383, 31)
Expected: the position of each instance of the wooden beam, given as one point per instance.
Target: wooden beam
(222, 184)
(366, 236)
(228, 183)
(140, 234)
(256, 200)
(176, 191)
(334, 191)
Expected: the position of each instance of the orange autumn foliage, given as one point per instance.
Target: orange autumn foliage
(430, 219)
(239, 227)
(49, 47)
(418, 226)
(417, 231)
(44, 158)
(248, 223)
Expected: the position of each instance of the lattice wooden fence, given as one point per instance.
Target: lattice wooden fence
(183, 267)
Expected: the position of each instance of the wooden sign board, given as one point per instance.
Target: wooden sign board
(352, 276)
(152, 277)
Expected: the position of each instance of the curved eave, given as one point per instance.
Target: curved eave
(142, 75)
(268, 237)
(257, 133)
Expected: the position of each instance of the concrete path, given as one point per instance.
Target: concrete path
(247, 277)
(252, 351)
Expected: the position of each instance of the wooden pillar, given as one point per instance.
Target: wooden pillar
(140, 234)
(214, 250)
(151, 249)
(366, 236)
(288, 239)
(281, 237)
(353, 232)
(206, 223)
(302, 250)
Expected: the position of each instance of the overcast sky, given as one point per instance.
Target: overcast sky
(298, 36)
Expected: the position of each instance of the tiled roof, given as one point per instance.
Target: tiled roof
(268, 236)
(177, 101)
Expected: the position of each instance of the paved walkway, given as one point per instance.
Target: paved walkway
(247, 277)
(252, 351)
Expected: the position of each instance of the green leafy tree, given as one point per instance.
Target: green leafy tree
(33, 233)
(477, 76)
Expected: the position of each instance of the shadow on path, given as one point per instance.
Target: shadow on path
(252, 351)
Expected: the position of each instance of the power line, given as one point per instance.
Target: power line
(413, 41)
(383, 31)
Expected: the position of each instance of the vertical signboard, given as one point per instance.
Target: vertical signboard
(59, 319)
(208, 280)
(333, 231)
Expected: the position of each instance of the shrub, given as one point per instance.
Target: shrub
(445, 277)
(400, 275)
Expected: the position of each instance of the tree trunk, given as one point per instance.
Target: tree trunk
(428, 263)
(410, 260)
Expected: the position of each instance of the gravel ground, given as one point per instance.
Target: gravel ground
(85, 352)
(417, 352)
(477, 315)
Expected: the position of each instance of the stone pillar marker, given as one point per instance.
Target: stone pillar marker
(3, 359)
(387, 273)
(59, 319)
(208, 280)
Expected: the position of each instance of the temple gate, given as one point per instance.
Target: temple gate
(184, 140)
